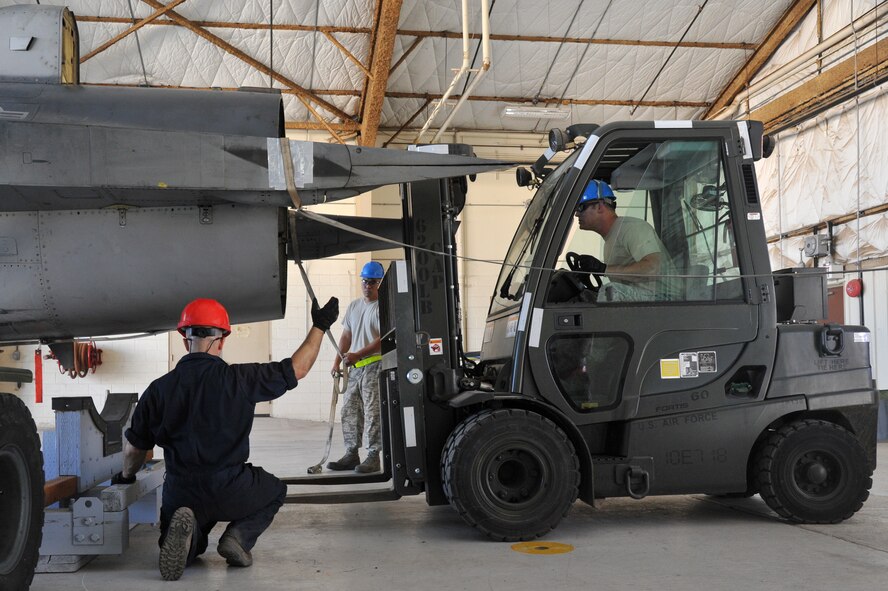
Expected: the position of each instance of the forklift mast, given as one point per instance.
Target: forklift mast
(420, 324)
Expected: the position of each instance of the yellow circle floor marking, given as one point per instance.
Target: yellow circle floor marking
(540, 547)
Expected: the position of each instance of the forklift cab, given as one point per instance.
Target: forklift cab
(605, 349)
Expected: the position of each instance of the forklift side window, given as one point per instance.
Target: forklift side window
(677, 188)
(517, 265)
(589, 368)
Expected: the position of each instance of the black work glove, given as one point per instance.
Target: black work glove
(590, 264)
(119, 478)
(324, 318)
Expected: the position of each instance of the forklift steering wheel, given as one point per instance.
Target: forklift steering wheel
(573, 263)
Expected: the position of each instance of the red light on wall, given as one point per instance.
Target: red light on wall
(854, 288)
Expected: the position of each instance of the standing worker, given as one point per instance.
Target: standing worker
(201, 414)
(360, 404)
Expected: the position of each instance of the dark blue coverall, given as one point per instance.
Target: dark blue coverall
(201, 414)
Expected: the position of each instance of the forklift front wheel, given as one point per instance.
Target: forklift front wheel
(510, 473)
(21, 494)
(813, 471)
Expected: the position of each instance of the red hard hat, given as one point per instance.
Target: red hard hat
(204, 312)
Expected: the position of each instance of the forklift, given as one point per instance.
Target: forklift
(723, 380)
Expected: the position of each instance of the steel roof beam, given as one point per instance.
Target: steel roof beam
(388, 14)
(346, 52)
(786, 25)
(439, 34)
(201, 32)
(231, 25)
(132, 29)
(351, 124)
(863, 71)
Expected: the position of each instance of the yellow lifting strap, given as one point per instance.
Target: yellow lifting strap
(368, 360)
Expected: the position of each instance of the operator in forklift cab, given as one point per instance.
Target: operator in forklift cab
(634, 259)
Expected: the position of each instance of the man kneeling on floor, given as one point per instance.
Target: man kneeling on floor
(201, 414)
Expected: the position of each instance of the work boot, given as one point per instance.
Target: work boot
(346, 462)
(369, 465)
(177, 544)
(233, 553)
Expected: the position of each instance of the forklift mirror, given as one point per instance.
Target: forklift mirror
(523, 176)
(768, 145)
(557, 140)
(709, 199)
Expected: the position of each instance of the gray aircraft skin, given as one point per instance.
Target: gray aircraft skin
(119, 205)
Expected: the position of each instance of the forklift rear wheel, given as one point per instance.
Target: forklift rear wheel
(813, 471)
(21, 494)
(510, 473)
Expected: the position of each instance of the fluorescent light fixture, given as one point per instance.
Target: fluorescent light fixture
(534, 112)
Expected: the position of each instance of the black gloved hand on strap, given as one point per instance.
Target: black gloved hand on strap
(119, 478)
(324, 318)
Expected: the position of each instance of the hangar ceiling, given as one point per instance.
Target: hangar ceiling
(372, 71)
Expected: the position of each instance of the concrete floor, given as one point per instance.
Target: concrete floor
(659, 543)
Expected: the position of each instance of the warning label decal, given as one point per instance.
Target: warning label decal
(689, 364)
(707, 361)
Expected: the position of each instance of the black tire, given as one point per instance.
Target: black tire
(510, 473)
(813, 471)
(21, 495)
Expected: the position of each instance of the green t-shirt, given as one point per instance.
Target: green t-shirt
(630, 240)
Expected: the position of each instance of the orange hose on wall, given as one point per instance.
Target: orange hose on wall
(86, 357)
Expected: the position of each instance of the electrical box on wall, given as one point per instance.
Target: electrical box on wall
(817, 246)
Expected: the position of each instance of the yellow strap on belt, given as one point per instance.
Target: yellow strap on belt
(368, 360)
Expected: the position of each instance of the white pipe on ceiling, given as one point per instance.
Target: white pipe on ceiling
(485, 66)
(464, 69)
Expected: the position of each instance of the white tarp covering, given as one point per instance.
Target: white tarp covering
(830, 166)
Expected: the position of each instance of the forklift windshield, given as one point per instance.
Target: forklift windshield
(516, 267)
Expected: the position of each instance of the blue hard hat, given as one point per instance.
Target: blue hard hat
(598, 190)
(372, 270)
